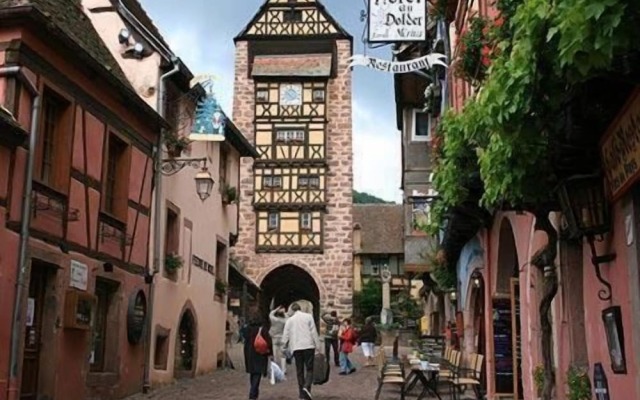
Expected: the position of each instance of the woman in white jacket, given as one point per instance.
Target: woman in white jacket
(278, 318)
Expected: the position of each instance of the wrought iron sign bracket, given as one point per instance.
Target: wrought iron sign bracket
(596, 260)
(172, 166)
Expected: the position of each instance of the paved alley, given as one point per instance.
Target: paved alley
(233, 385)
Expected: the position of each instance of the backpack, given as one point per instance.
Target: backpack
(260, 344)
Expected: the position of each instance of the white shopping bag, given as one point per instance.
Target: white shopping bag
(276, 375)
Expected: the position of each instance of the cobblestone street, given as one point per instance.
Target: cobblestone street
(234, 384)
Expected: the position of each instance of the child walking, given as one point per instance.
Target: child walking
(348, 339)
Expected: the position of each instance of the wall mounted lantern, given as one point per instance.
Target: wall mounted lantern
(586, 211)
(203, 179)
(453, 297)
(476, 279)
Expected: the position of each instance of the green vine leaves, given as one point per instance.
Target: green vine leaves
(505, 131)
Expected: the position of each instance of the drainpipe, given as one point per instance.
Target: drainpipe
(157, 234)
(23, 264)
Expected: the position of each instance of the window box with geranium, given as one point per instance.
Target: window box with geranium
(172, 263)
(476, 44)
(229, 194)
(176, 144)
(221, 287)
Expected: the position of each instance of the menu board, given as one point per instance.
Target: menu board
(503, 345)
(515, 295)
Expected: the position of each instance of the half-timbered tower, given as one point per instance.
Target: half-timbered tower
(293, 100)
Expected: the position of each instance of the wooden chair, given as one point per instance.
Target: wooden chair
(471, 376)
(389, 374)
(449, 372)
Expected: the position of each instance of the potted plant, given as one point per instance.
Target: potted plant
(172, 263)
(221, 287)
(229, 194)
(578, 384)
(538, 380)
(176, 144)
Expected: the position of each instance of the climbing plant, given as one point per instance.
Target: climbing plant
(543, 50)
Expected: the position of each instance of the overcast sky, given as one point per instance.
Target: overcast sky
(201, 33)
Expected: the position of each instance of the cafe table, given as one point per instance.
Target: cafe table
(427, 375)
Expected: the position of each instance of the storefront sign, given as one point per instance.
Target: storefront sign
(79, 275)
(621, 148)
(136, 317)
(397, 20)
(399, 67)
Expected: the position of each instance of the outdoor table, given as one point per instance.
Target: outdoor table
(428, 377)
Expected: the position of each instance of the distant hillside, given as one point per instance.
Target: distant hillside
(366, 198)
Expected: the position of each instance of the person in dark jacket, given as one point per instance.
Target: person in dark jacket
(367, 340)
(256, 364)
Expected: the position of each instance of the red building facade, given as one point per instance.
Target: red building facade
(83, 304)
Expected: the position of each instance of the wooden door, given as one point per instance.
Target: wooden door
(33, 330)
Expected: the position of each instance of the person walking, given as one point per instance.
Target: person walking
(367, 340)
(348, 340)
(331, 336)
(301, 337)
(278, 318)
(257, 353)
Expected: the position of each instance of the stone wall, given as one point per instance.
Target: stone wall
(331, 270)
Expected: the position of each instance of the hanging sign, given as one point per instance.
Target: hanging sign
(397, 20)
(620, 148)
(600, 383)
(399, 67)
(209, 121)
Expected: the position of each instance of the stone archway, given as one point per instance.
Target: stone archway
(287, 284)
(186, 345)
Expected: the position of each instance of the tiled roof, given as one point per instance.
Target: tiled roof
(381, 227)
(292, 65)
(69, 18)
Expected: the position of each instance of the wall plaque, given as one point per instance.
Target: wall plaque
(612, 319)
(136, 316)
(79, 275)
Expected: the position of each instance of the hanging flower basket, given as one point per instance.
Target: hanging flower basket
(176, 144)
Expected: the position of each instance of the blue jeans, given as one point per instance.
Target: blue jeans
(345, 364)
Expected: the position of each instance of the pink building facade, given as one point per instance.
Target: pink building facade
(499, 290)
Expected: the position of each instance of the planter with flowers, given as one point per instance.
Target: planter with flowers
(477, 46)
(176, 144)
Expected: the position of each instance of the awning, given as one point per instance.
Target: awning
(238, 278)
(306, 65)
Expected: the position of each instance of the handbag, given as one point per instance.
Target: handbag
(260, 344)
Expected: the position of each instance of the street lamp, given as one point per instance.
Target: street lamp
(203, 179)
(586, 211)
(204, 183)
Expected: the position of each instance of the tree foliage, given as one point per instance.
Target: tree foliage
(366, 198)
(369, 300)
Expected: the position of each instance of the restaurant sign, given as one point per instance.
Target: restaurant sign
(397, 20)
(620, 148)
(399, 67)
